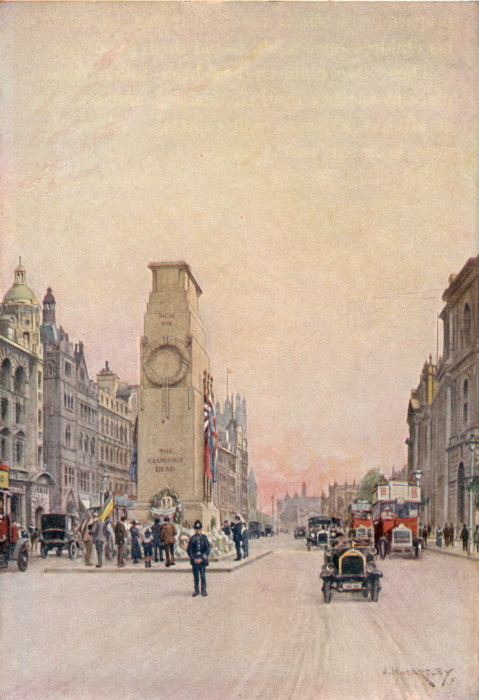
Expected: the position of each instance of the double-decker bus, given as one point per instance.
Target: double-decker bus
(395, 510)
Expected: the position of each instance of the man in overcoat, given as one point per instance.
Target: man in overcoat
(198, 550)
(120, 539)
(237, 536)
(168, 532)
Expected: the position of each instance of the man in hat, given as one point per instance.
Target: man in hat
(198, 550)
(168, 532)
(237, 536)
(120, 539)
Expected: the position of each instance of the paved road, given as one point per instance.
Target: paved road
(263, 632)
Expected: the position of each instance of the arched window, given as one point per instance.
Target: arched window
(6, 374)
(19, 449)
(92, 446)
(19, 381)
(18, 412)
(68, 436)
(4, 408)
(87, 444)
(466, 326)
(4, 445)
(465, 393)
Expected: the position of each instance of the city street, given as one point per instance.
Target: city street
(263, 631)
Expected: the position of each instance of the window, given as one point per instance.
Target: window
(39, 417)
(4, 449)
(4, 408)
(68, 369)
(19, 451)
(19, 381)
(465, 392)
(84, 481)
(6, 374)
(92, 446)
(68, 436)
(466, 326)
(39, 380)
(18, 413)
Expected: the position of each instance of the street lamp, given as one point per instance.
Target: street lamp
(472, 443)
(418, 475)
(272, 512)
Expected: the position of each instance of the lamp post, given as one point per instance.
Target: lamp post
(472, 443)
(272, 512)
(418, 475)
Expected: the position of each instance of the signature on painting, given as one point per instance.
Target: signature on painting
(440, 675)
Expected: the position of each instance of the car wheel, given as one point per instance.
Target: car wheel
(44, 551)
(308, 545)
(22, 559)
(375, 590)
(72, 550)
(59, 552)
(382, 549)
(327, 591)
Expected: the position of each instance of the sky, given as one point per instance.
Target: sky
(314, 163)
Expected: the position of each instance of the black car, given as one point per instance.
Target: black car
(59, 531)
(254, 529)
(350, 568)
(299, 531)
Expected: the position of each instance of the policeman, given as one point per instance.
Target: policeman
(198, 550)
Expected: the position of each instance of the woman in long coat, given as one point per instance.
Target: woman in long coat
(135, 543)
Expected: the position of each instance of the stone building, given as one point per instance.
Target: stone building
(21, 396)
(230, 492)
(340, 496)
(443, 410)
(295, 510)
(115, 437)
(70, 418)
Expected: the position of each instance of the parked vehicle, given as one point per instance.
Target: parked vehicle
(299, 531)
(59, 531)
(395, 517)
(14, 541)
(254, 528)
(268, 531)
(350, 568)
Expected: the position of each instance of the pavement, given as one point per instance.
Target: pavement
(454, 551)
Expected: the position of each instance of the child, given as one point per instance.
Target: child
(147, 542)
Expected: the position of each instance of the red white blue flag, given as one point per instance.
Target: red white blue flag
(211, 439)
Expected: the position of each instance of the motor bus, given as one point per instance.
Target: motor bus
(395, 511)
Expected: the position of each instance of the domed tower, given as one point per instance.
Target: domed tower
(21, 306)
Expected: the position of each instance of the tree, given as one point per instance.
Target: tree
(372, 478)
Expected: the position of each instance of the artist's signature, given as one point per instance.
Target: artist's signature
(434, 677)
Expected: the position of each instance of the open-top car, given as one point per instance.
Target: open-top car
(59, 531)
(350, 567)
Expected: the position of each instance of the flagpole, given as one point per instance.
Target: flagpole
(227, 377)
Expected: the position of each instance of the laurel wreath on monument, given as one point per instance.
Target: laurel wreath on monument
(166, 502)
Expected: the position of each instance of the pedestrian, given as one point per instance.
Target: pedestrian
(167, 534)
(245, 540)
(236, 530)
(476, 538)
(438, 537)
(464, 537)
(87, 539)
(451, 535)
(424, 535)
(226, 528)
(198, 550)
(109, 539)
(157, 547)
(98, 533)
(147, 544)
(120, 540)
(135, 542)
(445, 534)
(34, 538)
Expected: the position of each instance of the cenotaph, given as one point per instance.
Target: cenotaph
(174, 364)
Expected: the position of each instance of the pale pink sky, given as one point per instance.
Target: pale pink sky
(314, 163)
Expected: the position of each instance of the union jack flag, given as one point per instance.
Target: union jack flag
(211, 439)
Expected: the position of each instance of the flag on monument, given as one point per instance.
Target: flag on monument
(211, 439)
(133, 470)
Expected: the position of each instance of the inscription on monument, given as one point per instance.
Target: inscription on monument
(166, 460)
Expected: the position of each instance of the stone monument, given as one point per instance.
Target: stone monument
(174, 365)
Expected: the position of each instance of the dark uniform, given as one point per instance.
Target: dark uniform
(198, 550)
(237, 537)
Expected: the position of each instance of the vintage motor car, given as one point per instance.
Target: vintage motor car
(268, 531)
(58, 531)
(13, 547)
(400, 540)
(299, 531)
(350, 567)
(254, 529)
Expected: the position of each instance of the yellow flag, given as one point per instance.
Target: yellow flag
(107, 509)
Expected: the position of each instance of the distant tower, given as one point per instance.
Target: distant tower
(49, 308)
(303, 489)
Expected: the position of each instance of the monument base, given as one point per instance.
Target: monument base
(192, 510)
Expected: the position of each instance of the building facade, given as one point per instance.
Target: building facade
(443, 410)
(70, 417)
(295, 510)
(340, 497)
(21, 396)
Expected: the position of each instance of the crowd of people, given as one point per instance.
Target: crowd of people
(446, 535)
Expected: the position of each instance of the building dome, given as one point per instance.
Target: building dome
(20, 292)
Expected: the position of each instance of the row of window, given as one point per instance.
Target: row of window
(18, 444)
(113, 428)
(114, 454)
(88, 483)
(118, 406)
(87, 413)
